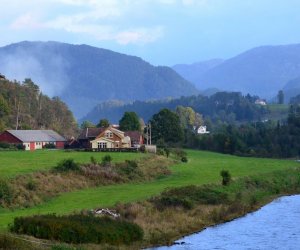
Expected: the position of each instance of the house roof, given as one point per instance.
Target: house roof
(134, 135)
(36, 135)
(89, 133)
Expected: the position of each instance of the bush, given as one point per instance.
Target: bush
(129, 169)
(49, 146)
(226, 177)
(20, 147)
(78, 229)
(93, 160)
(31, 185)
(6, 192)
(67, 165)
(179, 153)
(184, 159)
(187, 196)
(142, 148)
(106, 160)
(4, 145)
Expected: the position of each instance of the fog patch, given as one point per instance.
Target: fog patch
(47, 70)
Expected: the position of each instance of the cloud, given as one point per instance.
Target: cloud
(28, 21)
(20, 65)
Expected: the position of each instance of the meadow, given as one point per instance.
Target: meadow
(202, 168)
(14, 163)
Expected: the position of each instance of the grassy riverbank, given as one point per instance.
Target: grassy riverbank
(202, 168)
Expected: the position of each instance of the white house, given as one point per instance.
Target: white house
(260, 102)
(202, 130)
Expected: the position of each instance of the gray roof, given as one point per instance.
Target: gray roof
(37, 135)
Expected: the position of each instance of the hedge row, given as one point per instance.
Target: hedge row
(78, 229)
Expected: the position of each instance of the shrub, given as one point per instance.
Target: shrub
(31, 185)
(226, 177)
(67, 165)
(6, 192)
(93, 160)
(78, 229)
(129, 169)
(160, 151)
(20, 147)
(190, 195)
(142, 148)
(4, 145)
(106, 160)
(49, 146)
(167, 151)
(184, 159)
(179, 153)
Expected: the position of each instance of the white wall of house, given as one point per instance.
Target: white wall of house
(26, 145)
(38, 145)
(102, 143)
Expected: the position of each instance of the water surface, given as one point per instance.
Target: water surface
(274, 226)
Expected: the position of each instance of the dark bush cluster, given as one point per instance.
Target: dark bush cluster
(129, 169)
(78, 229)
(49, 146)
(7, 146)
(6, 192)
(67, 165)
(189, 196)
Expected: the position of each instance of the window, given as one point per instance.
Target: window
(109, 134)
(102, 145)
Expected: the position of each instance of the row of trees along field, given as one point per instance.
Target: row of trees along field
(178, 129)
(24, 106)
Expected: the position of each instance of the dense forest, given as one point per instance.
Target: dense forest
(227, 107)
(264, 139)
(23, 106)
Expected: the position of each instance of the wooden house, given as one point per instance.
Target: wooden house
(101, 138)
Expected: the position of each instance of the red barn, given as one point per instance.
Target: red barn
(33, 139)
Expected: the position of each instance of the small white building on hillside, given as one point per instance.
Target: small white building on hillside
(202, 130)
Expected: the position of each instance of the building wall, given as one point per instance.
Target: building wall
(60, 144)
(100, 140)
(9, 138)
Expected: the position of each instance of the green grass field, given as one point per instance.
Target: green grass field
(14, 163)
(202, 168)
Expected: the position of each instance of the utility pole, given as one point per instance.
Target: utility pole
(147, 134)
(150, 133)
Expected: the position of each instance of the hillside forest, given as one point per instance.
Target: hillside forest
(24, 106)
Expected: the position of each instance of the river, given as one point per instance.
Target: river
(274, 226)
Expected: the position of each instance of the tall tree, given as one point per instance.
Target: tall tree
(130, 122)
(166, 126)
(188, 117)
(280, 97)
(87, 124)
(103, 123)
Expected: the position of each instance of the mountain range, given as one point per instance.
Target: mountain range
(84, 76)
(261, 71)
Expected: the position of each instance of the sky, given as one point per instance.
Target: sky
(163, 32)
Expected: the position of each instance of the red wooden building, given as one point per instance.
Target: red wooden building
(33, 139)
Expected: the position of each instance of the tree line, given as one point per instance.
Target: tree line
(24, 106)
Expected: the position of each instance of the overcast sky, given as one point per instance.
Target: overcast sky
(163, 32)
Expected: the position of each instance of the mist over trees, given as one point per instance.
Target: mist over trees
(226, 107)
